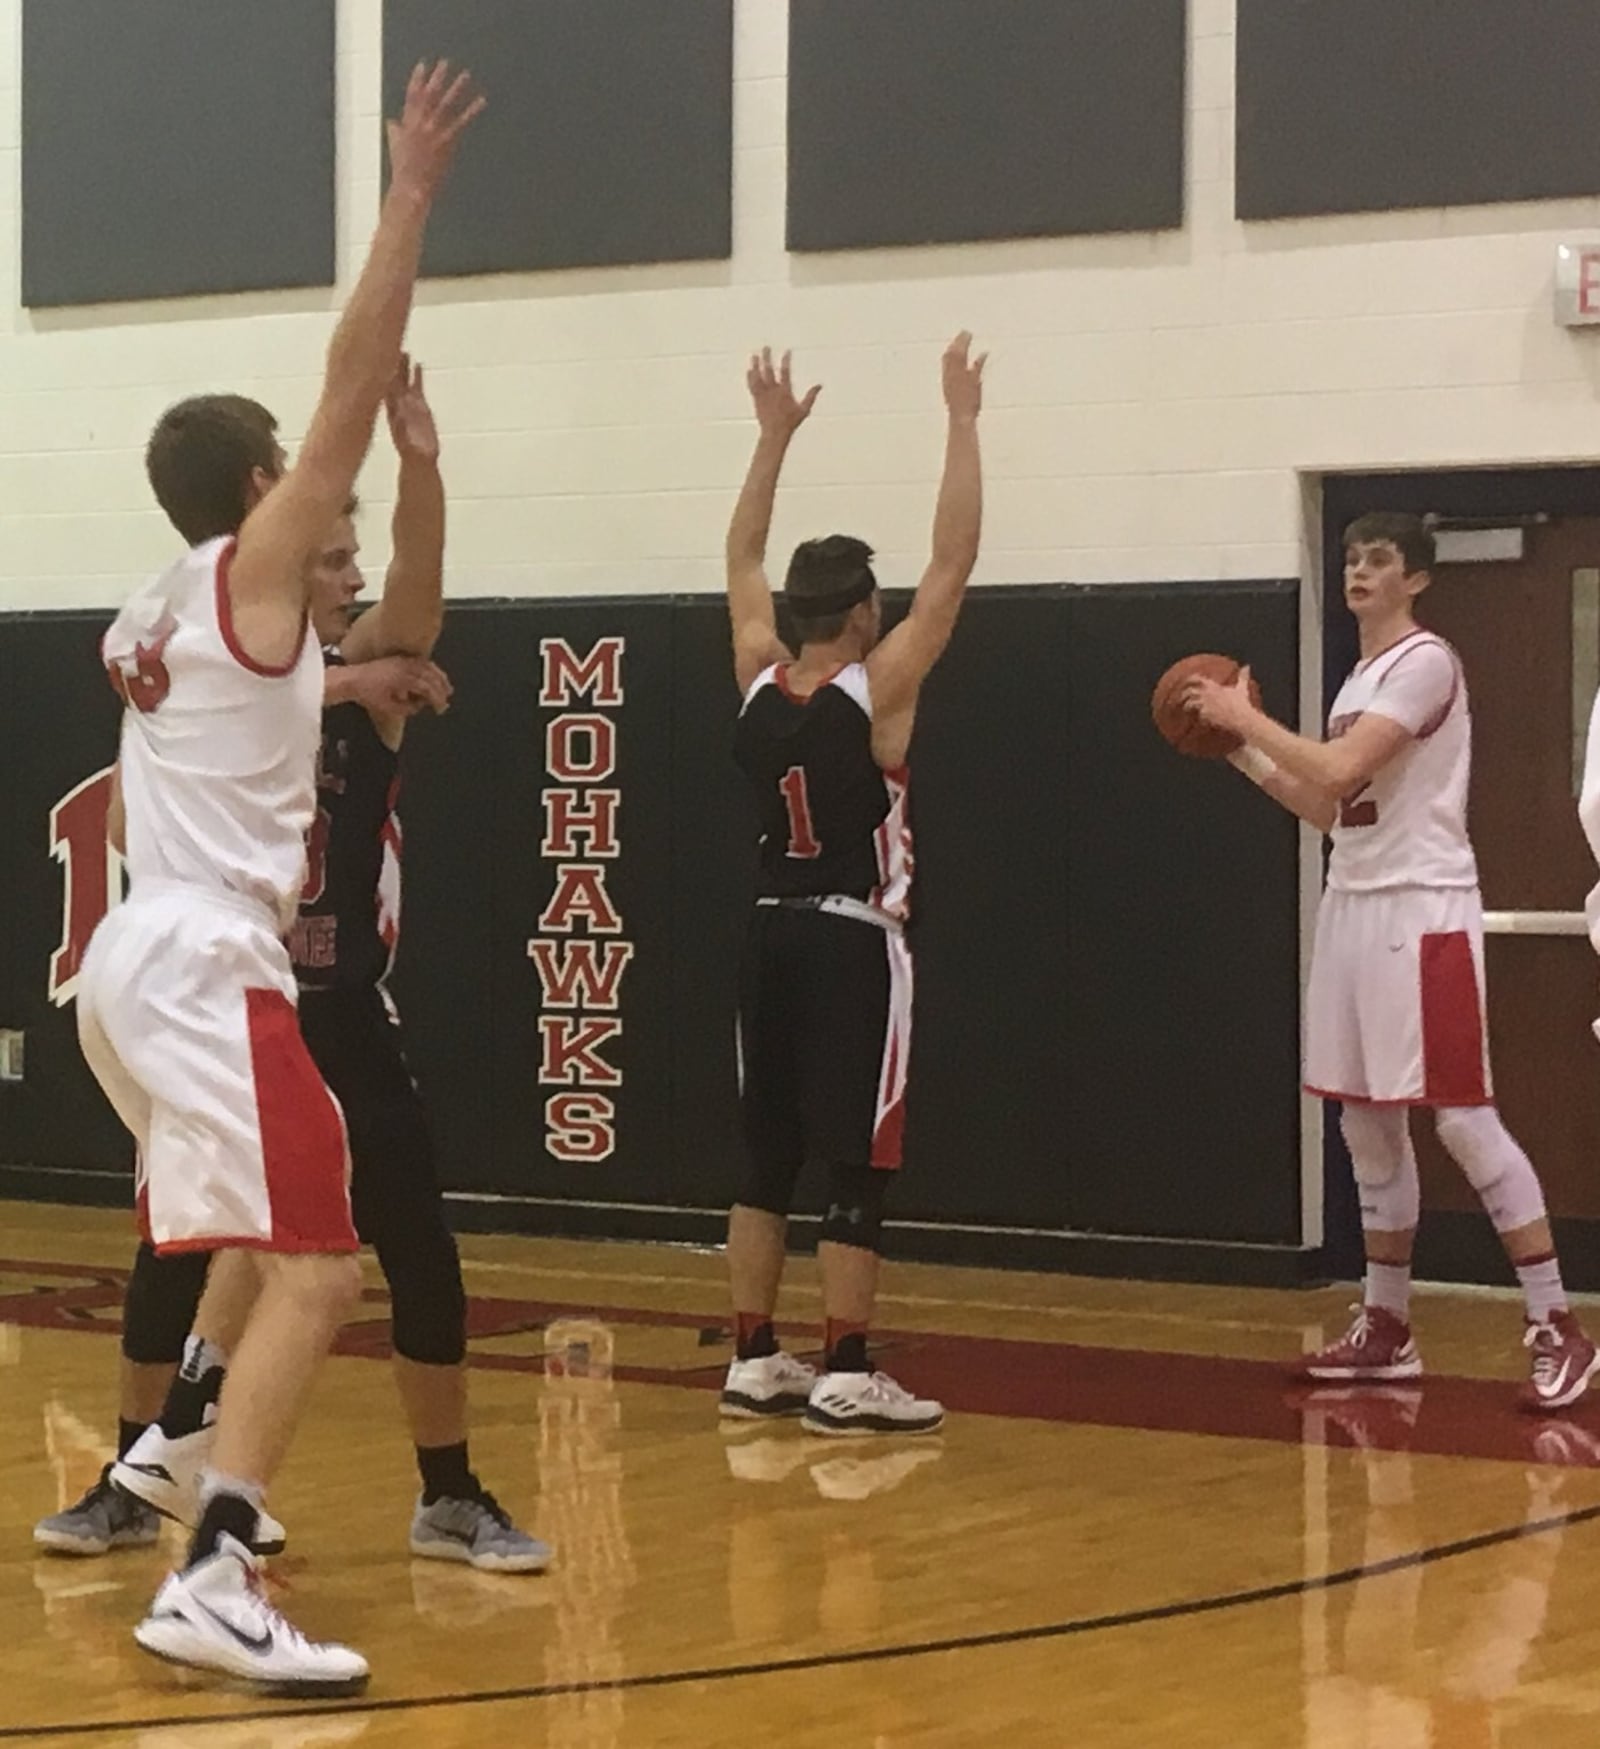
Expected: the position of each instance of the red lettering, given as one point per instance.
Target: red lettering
(147, 686)
(566, 677)
(1589, 282)
(571, 814)
(580, 1126)
(570, 1044)
(803, 843)
(316, 881)
(1355, 813)
(91, 872)
(580, 892)
(574, 980)
(580, 749)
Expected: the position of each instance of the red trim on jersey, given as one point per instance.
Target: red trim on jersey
(780, 675)
(1452, 1021)
(303, 1145)
(231, 638)
(1388, 649)
(1438, 720)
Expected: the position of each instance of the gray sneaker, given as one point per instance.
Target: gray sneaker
(104, 1519)
(478, 1531)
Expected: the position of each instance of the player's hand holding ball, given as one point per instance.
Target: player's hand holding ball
(1203, 705)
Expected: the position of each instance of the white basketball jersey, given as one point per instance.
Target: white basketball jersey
(1408, 826)
(218, 752)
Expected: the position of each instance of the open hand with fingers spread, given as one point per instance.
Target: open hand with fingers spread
(963, 378)
(438, 110)
(778, 411)
(411, 423)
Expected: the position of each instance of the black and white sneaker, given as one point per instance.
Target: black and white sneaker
(164, 1472)
(775, 1384)
(216, 1616)
(846, 1403)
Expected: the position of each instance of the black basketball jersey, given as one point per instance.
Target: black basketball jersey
(349, 921)
(832, 820)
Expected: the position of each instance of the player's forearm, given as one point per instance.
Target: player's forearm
(958, 514)
(339, 686)
(1302, 799)
(752, 515)
(366, 344)
(1318, 763)
(413, 591)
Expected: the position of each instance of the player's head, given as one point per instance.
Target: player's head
(210, 461)
(831, 592)
(1388, 562)
(335, 578)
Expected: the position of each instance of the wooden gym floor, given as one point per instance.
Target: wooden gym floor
(1134, 1531)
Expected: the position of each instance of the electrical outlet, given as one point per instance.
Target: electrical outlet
(10, 1054)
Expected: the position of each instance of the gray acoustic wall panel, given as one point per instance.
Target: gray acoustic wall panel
(609, 134)
(952, 121)
(171, 147)
(1364, 105)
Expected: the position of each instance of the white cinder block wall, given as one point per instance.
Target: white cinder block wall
(1151, 398)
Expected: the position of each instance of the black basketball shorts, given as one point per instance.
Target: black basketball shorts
(824, 1039)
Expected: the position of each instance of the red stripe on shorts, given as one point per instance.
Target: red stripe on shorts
(302, 1133)
(1452, 1022)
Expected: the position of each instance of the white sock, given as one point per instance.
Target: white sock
(213, 1482)
(1542, 1289)
(1389, 1287)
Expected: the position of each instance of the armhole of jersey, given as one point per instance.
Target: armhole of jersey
(767, 677)
(854, 683)
(230, 638)
(1427, 640)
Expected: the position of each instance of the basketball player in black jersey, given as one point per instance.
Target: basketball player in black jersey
(342, 945)
(825, 991)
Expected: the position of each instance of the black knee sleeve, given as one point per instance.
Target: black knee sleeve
(855, 1207)
(158, 1308)
(423, 1268)
(768, 1187)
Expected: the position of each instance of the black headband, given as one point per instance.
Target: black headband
(841, 601)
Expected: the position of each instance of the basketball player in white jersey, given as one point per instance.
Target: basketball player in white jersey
(186, 1005)
(1395, 1013)
(825, 993)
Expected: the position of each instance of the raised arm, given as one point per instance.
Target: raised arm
(900, 664)
(780, 415)
(267, 577)
(408, 619)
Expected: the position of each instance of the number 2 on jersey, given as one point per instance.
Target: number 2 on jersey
(803, 845)
(1354, 812)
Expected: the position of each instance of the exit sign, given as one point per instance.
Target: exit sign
(1578, 285)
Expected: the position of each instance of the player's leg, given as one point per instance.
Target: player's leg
(1455, 1046)
(164, 1466)
(246, 1150)
(157, 1309)
(399, 1211)
(762, 1379)
(1379, 1345)
(1563, 1359)
(854, 1053)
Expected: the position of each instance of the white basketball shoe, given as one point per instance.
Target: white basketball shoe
(776, 1384)
(216, 1616)
(845, 1403)
(164, 1473)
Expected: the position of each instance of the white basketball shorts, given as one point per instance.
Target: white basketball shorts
(186, 1015)
(1395, 1011)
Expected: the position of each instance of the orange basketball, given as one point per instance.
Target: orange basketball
(1182, 728)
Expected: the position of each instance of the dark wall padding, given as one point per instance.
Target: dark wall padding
(967, 120)
(172, 148)
(608, 138)
(1363, 105)
(1106, 934)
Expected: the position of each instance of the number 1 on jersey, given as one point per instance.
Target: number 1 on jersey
(803, 845)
